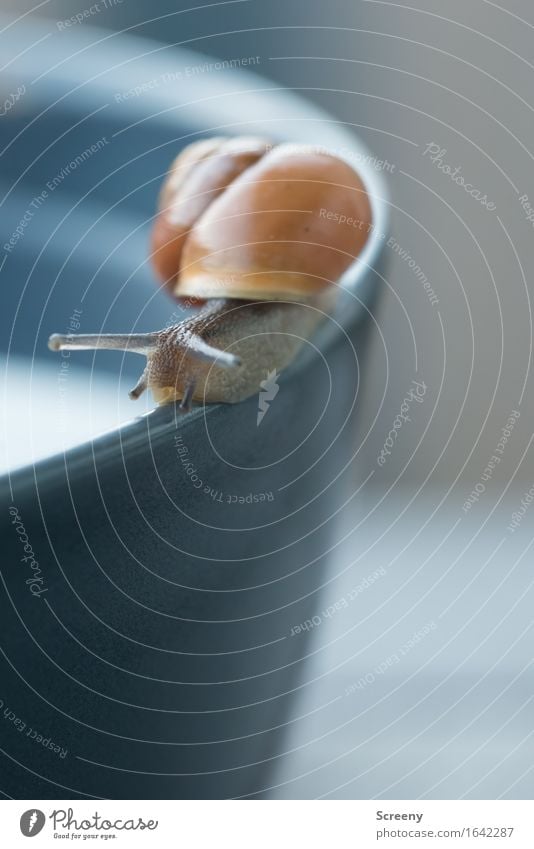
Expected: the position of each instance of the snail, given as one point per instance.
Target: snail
(253, 234)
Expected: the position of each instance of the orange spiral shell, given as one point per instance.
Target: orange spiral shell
(239, 218)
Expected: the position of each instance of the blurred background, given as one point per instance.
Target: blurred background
(437, 543)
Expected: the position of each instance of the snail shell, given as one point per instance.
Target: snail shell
(240, 219)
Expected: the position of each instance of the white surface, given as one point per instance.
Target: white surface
(48, 408)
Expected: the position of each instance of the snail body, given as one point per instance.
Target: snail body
(241, 230)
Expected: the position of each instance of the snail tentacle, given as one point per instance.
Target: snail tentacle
(139, 343)
(199, 349)
(187, 398)
(140, 386)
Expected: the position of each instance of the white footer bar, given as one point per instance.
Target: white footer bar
(269, 825)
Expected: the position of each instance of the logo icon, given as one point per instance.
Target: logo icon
(32, 822)
(268, 392)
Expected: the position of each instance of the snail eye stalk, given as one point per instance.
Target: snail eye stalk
(140, 387)
(187, 400)
(200, 350)
(139, 343)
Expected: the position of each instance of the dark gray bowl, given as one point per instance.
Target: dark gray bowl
(153, 649)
